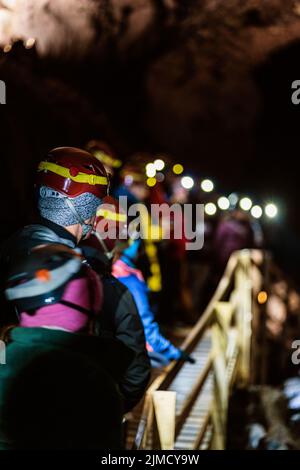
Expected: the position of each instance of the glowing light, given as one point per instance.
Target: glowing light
(271, 210)
(128, 180)
(30, 43)
(159, 164)
(7, 48)
(223, 203)
(262, 297)
(233, 199)
(210, 208)
(151, 182)
(187, 182)
(256, 212)
(178, 169)
(245, 204)
(150, 170)
(207, 186)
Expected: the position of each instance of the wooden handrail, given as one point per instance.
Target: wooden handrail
(168, 374)
(238, 260)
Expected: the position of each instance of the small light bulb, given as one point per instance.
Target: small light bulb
(187, 182)
(207, 186)
(178, 169)
(159, 164)
(256, 212)
(271, 210)
(210, 208)
(150, 170)
(151, 182)
(245, 203)
(223, 203)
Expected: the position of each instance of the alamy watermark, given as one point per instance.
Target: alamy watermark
(158, 222)
(2, 353)
(296, 353)
(2, 92)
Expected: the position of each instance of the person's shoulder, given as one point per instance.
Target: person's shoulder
(23, 240)
(29, 232)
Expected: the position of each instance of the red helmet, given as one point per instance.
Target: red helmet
(72, 172)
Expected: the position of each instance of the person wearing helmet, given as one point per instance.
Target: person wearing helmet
(135, 189)
(161, 351)
(110, 239)
(70, 186)
(59, 387)
(234, 232)
(110, 226)
(133, 183)
(102, 151)
(123, 318)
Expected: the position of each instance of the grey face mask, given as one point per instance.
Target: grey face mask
(53, 206)
(86, 228)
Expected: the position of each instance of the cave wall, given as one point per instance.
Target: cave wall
(159, 75)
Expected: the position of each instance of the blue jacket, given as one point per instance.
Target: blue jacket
(154, 338)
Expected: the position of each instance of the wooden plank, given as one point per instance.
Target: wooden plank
(202, 431)
(191, 398)
(164, 407)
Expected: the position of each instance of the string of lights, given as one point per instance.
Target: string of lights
(154, 173)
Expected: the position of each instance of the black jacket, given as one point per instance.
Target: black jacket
(59, 390)
(119, 315)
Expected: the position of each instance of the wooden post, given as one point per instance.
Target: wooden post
(165, 413)
(244, 320)
(224, 342)
(219, 405)
(220, 338)
(150, 436)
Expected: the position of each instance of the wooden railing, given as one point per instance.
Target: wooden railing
(228, 319)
